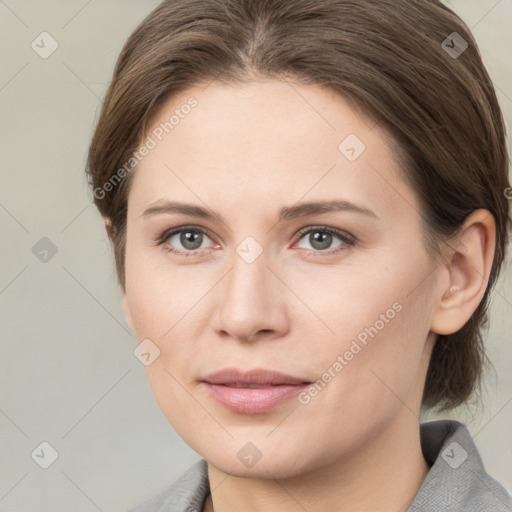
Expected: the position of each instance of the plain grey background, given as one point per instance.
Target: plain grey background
(68, 373)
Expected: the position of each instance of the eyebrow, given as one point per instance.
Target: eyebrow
(286, 213)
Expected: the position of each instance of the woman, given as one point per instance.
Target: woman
(307, 202)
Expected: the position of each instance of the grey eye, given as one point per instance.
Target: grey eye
(189, 239)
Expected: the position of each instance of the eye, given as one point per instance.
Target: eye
(190, 238)
(321, 238)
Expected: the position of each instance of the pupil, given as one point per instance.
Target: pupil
(321, 240)
(189, 239)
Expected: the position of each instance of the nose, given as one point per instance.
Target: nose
(252, 301)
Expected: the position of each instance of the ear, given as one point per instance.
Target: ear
(126, 307)
(127, 311)
(108, 227)
(465, 273)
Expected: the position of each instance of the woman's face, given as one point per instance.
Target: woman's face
(340, 297)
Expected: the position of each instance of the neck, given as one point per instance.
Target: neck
(384, 475)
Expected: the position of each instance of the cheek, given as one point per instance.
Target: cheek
(167, 316)
(359, 299)
(160, 294)
(372, 324)
(380, 368)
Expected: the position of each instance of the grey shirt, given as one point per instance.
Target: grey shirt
(457, 480)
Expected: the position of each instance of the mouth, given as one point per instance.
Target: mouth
(252, 392)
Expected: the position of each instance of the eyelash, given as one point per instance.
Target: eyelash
(348, 240)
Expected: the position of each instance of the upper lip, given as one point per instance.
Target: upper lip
(261, 376)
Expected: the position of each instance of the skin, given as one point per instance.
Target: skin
(244, 152)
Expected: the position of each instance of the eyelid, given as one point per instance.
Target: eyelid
(328, 229)
(172, 231)
(348, 241)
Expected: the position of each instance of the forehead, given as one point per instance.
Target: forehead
(265, 142)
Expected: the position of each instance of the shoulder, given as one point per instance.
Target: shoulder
(457, 480)
(186, 494)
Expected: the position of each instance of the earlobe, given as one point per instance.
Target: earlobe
(108, 227)
(127, 312)
(467, 270)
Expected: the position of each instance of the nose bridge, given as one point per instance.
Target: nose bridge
(248, 273)
(245, 306)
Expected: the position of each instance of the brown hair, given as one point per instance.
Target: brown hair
(390, 58)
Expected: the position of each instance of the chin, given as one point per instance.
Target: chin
(265, 459)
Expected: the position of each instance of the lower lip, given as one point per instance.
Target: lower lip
(253, 400)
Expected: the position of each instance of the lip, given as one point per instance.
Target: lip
(252, 392)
